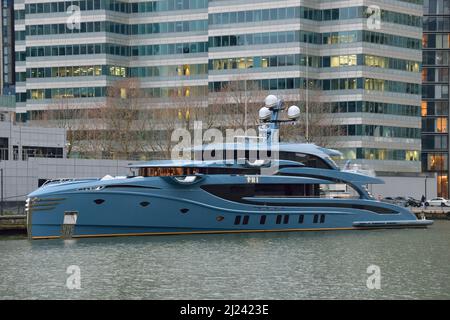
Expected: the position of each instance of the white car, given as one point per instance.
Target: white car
(438, 202)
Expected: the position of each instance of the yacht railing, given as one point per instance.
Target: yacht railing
(62, 180)
(249, 138)
(359, 168)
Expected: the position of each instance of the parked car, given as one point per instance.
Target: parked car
(438, 202)
(412, 202)
(400, 201)
(388, 200)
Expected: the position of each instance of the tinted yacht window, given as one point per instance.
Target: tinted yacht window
(236, 192)
(183, 171)
(307, 159)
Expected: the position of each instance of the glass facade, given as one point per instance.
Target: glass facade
(328, 38)
(262, 15)
(7, 48)
(117, 28)
(368, 78)
(381, 154)
(315, 61)
(435, 92)
(328, 84)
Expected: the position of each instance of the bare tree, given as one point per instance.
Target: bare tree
(126, 126)
(237, 104)
(322, 123)
(66, 115)
(165, 121)
(123, 120)
(182, 112)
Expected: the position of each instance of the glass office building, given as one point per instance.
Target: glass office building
(7, 68)
(435, 103)
(360, 59)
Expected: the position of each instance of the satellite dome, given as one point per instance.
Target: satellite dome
(271, 101)
(293, 112)
(264, 113)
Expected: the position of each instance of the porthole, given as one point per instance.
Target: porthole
(220, 218)
(279, 217)
(263, 219)
(144, 203)
(316, 218)
(184, 210)
(99, 201)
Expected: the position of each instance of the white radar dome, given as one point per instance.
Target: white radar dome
(293, 112)
(264, 113)
(271, 101)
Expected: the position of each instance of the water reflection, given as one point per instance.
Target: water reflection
(413, 264)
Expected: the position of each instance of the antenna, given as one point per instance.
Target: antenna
(269, 115)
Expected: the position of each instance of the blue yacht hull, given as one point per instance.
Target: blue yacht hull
(155, 207)
(234, 194)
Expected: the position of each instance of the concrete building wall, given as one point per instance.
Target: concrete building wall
(22, 138)
(22, 177)
(405, 187)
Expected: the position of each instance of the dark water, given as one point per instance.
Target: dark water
(414, 264)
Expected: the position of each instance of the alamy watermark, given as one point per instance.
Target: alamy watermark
(236, 146)
(374, 280)
(373, 21)
(74, 20)
(74, 280)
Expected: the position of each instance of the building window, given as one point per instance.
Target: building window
(437, 162)
(412, 155)
(441, 125)
(442, 186)
(424, 108)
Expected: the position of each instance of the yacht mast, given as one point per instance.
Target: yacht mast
(269, 116)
